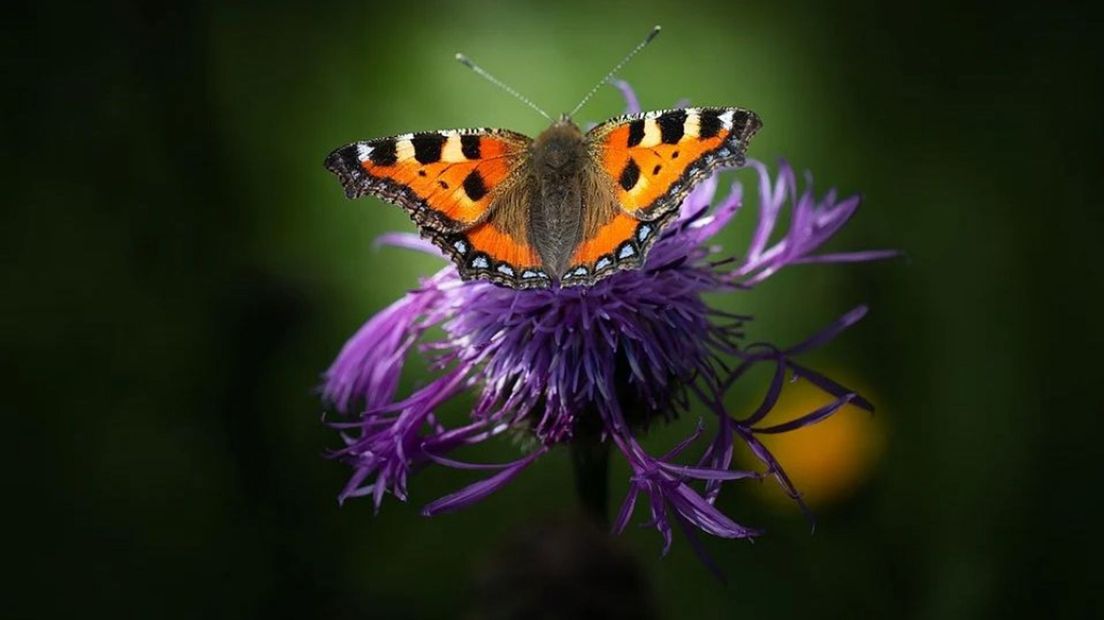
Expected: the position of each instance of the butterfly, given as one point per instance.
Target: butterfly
(569, 208)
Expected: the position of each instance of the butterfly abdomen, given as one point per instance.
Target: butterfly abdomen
(557, 161)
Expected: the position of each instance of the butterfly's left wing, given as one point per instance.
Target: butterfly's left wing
(652, 161)
(445, 180)
(464, 190)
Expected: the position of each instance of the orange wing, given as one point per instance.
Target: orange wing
(655, 158)
(494, 251)
(461, 188)
(445, 180)
(652, 161)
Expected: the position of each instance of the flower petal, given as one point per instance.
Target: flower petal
(475, 492)
(830, 332)
(408, 241)
(807, 419)
(632, 104)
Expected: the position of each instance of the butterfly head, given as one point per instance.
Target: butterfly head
(559, 147)
(564, 128)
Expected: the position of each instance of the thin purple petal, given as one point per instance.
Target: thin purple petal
(407, 241)
(475, 492)
(808, 419)
(632, 104)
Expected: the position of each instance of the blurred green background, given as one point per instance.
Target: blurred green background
(180, 269)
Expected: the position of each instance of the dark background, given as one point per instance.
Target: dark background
(179, 269)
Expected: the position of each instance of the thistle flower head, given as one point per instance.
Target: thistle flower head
(634, 346)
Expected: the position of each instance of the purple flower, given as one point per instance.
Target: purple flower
(637, 345)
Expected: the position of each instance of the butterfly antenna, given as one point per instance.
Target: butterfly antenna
(648, 39)
(467, 62)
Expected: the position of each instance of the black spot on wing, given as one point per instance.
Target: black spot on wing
(740, 121)
(709, 123)
(630, 175)
(671, 126)
(349, 158)
(383, 153)
(636, 132)
(345, 163)
(656, 170)
(427, 147)
(474, 186)
(469, 146)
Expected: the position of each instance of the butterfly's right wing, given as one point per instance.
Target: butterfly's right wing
(649, 162)
(452, 183)
(654, 159)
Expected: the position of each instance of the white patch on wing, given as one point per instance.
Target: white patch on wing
(726, 119)
(626, 251)
(404, 149)
(363, 151)
(652, 135)
(480, 263)
(691, 125)
(452, 151)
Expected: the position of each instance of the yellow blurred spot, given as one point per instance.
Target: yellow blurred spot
(827, 461)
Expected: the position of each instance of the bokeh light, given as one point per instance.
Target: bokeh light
(829, 461)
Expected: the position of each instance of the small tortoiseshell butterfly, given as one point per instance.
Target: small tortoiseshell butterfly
(569, 207)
